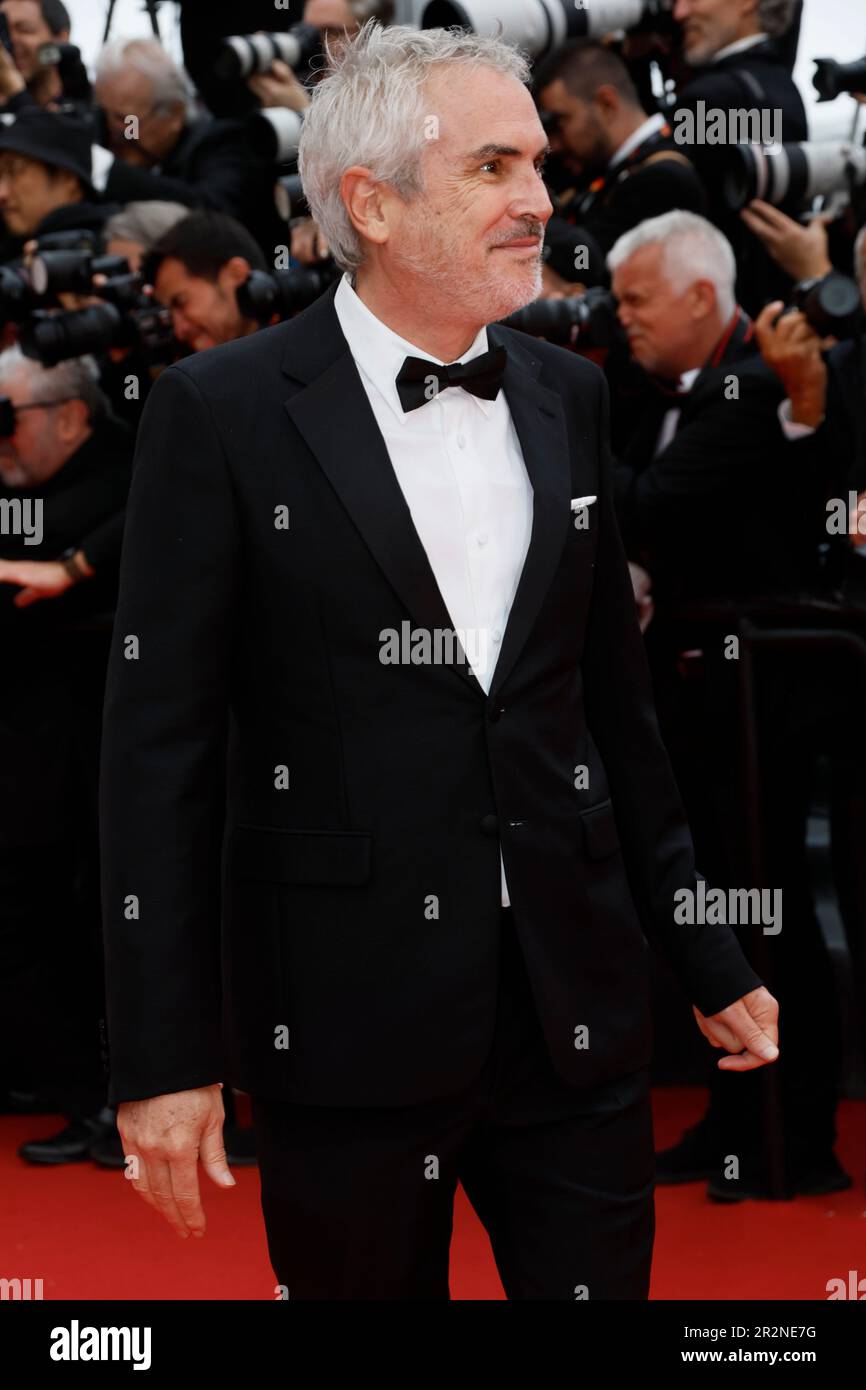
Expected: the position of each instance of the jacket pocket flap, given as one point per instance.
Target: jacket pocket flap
(300, 856)
(599, 830)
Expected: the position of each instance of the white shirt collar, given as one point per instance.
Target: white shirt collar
(637, 137)
(739, 46)
(687, 380)
(379, 352)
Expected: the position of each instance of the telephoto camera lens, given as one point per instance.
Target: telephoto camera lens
(830, 79)
(243, 55)
(541, 26)
(790, 176)
(832, 305)
(590, 317)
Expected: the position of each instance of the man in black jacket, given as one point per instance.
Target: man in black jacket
(707, 495)
(382, 555)
(636, 170)
(64, 476)
(716, 502)
(163, 149)
(735, 54)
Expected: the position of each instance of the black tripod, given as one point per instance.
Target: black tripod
(151, 6)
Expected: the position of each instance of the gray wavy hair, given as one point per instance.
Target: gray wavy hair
(776, 16)
(693, 250)
(371, 110)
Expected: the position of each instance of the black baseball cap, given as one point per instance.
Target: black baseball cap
(60, 139)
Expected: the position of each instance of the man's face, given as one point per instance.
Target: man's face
(28, 32)
(658, 319)
(579, 132)
(471, 240)
(40, 445)
(130, 93)
(333, 18)
(29, 190)
(203, 312)
(709, 25)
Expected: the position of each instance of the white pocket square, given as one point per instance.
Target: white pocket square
(578, 503)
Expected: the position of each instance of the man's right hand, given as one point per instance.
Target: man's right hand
(165, 1136)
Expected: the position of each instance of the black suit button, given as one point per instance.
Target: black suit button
(494, 713)
(489, 824)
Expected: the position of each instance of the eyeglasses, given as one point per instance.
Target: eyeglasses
(8, 412)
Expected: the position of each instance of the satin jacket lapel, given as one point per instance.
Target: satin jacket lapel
(539, 420)
(333, 414)
(335, 418)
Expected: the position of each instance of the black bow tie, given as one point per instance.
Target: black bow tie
(418, 380)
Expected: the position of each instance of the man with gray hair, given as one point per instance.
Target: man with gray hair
(737, 50)
(437, 866)
(703, 495)
(165, 148)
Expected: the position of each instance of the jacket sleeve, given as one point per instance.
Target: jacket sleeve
(655, 837)
(162, 798)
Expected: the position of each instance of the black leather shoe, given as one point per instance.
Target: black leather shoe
(240, 1146)
(108, 1150)
(694, 1159)
(73, 1143)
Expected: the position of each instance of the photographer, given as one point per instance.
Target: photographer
(823, 381)
(195, 270)
(637, 170)
(163, 150)
(45, 178)
(705, 491)
(24, 79)
(65, 460)
(719, 505)
(734, 49)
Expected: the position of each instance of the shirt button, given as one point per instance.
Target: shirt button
(497, 635)
(482, 539)
(461, 442)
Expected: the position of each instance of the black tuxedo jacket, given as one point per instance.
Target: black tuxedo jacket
(365, 801)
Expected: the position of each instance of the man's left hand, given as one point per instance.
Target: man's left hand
(749, 1028)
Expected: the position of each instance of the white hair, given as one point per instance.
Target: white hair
(371, 109)
(169, 82)
(860, 256)
(77, 378)
(776, 16)
(693, 250)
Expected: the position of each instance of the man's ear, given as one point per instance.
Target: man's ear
(606, 99)
(234, 273)
(365, 204)
(704, 299)
(74, 415)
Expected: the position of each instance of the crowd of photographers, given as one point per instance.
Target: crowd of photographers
(707, 256)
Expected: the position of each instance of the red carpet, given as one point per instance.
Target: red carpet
(84, 1233)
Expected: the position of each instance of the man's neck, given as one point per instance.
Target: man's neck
(400, 312)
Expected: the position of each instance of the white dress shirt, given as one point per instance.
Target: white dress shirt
(460, 466)
(672, 419)
(637, 137)
(739, 46)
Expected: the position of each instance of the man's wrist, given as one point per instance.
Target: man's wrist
(76, 564)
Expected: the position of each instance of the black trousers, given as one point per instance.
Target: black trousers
(358, 1201)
